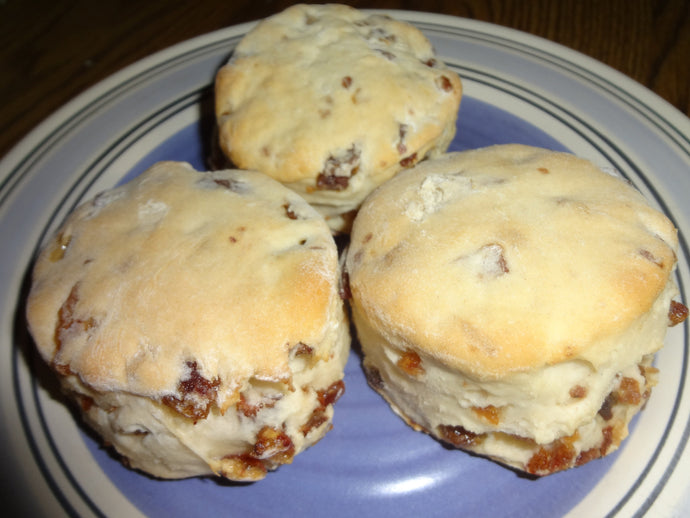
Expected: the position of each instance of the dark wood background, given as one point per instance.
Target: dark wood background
(50, 51)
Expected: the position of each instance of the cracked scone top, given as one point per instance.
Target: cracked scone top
(196, 317)
(509, 300)
(332, 102)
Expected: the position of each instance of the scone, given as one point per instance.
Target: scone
(332, 102)
(196, 319)
(509, 301)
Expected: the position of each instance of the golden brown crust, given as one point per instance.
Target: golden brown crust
(507, 259)
(332, 102)
(146, 273)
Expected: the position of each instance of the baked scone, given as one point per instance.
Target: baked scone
(196, 319)
(509, 301)
(332, 102)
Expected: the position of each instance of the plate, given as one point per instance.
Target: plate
(518, 88)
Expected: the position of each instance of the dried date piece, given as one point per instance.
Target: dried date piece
(66, 315)
(252, 409)
(331, 394)
(67, 321)
(409, 161)
(273, 445)
(325, 397)
(606, 410)
(650, 375)
(443, 83)
(411, 363)
(316, 419)
(557, 456)
(629, 392)
(489, 413)
(247, 409)
(459, 436)
(338, 170)
(243, 467)
(677, 313)
(597, 452)
(289, 212)
(196, 394)
(301, 349)
(578, 392)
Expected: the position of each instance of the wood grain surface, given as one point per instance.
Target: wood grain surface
(50, 51)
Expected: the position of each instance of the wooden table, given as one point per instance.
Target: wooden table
(50, 51)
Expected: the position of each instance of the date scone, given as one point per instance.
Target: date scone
(509, 301)
(196, 320)
(332, 102)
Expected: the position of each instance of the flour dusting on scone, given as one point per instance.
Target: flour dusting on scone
(332, 102)
(509, 301)
(196, 319)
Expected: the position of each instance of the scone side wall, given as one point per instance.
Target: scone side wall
(536, 404)
(152, 304)
(333, 102)
(266, 429)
